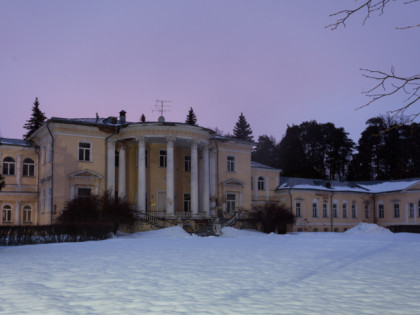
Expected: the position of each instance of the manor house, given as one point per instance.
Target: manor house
(178, 171)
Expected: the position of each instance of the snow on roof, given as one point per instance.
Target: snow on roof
(346, 186)
(260, 165)
(17, 142)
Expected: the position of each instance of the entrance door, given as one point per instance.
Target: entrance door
(161, 204)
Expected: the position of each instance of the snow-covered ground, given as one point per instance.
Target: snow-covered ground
(242, 272)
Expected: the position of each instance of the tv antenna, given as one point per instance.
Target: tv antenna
(161, 108)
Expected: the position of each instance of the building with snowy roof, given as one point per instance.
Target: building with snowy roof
(178, 171)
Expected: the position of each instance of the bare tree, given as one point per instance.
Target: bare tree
(386, 83)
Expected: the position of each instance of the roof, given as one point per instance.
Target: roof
(115, 122)
(260, 165)
(347, 186)
(16, 142)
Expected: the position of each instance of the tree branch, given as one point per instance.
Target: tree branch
(391, 84)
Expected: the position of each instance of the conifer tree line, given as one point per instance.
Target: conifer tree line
(389, 148)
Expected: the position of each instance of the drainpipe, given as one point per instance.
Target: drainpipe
(331, 210)
(52, 173)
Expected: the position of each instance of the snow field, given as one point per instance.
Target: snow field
(242, 272)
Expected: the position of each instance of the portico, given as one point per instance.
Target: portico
(177, 168)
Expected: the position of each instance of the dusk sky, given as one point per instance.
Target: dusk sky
(272, 60)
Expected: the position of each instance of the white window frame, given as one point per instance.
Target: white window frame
(325, 210)
(29, 167)
(84, 150)
(230, 163)
(187, 163)
(261, 183)
(367, 211)
(315, 209)
(7, 213)
(411, 210)
(335, 210)
(396, 210)
(298, 207)
(344, 209)
(381, 211)
(9, 167)
(84, 188)
(231, 204)
(354, 210)
(163, 158)
(27, 214)
(187, 202)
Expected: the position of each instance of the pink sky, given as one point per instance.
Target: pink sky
(272, 60)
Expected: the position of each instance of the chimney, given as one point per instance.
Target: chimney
(122, 116)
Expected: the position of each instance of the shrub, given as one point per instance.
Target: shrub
(274, 218)
(105, 210)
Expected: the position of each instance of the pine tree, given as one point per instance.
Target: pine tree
(242, 129)
(37, 119)
(191, 118)
(143, 118)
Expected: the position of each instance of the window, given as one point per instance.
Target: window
(396, 210)
(27, 214)
(418, 209)
(84, 191)
(84, 151)
(298, 210)
(187, 203)
(187, 163)
(261, 183)
(411, 210)
(8, 166)
(28, 167)
(366, 211)
(230, 202)
(315, 210)
(230, 163)
(326, 230)
(162, 158)
(7, 214)
(354, 210)
(344, 210)
(324, 210)
(315, 230)
(381, 212)
(334, 210)
(335, 230)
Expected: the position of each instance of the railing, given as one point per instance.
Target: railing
(154, 220)
(231, 221)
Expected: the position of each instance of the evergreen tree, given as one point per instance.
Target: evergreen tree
(143, 118)
(37, 119)
(242, 129)
(191, 118)
(265, 151)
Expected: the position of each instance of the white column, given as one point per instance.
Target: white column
(111, 167)
(206, 183)
(121, 172)
(194, 178)
(71, 192)
(170, 176)
(212, 178)
(17, 212)
(19, 170)
(141, 177)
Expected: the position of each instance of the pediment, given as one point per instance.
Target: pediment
(85, 173)
(233, 182)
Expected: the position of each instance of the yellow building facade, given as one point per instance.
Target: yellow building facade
(178, 171)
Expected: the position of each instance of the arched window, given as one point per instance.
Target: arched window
(261, 183)
(315, 208)
(8, 166)
(7, 214)
(28, 167)
(27, 214)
